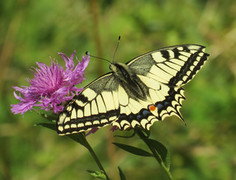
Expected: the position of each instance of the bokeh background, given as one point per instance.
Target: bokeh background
(33, 31)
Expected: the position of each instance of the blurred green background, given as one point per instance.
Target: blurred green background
(34, 31)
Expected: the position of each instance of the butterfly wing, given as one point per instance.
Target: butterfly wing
(164, 72)
(173, 66)
(96, 106)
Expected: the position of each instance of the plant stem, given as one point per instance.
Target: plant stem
(87, 145)
(154, 152)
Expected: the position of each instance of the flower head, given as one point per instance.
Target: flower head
(51, 85)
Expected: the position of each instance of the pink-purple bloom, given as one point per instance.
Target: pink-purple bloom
(51, 85)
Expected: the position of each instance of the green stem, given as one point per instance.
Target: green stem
(87, 145)
(155, 154)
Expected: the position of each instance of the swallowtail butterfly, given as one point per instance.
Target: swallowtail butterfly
(144, 90)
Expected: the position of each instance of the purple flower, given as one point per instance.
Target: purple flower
(51, 86)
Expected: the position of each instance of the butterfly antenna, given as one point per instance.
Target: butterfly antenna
(117, 45)
(87, 53)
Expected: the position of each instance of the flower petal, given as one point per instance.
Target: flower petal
(69, 63)
(22, 107)
(85, 62)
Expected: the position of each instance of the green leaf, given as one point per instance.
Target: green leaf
(133, 150)
(167, 163)
(48, 116)
(80, 138)
(122, 176)
(97, 174)
(127, 136)
(51, 126)
(159, 148)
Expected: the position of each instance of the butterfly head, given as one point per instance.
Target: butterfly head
(121, 70)
(113, 67)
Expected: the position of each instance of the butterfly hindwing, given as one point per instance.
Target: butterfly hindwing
(138, 113)
(138, 93)
(96, 106)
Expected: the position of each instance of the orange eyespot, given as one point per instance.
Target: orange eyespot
(152, 107)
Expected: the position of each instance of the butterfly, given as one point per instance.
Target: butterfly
(146, 89)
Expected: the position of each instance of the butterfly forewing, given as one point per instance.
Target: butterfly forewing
(159, 76)
(173, 66)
